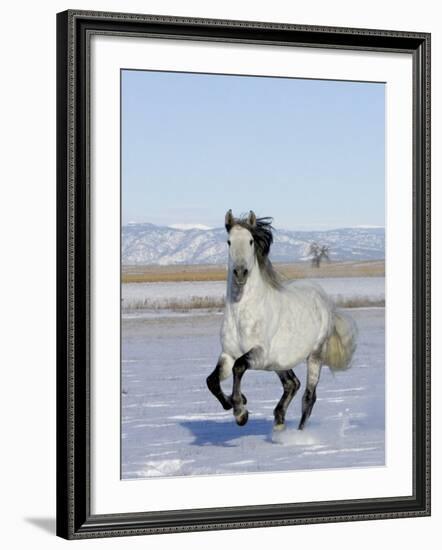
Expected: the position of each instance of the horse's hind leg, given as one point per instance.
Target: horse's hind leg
(291, 385)
(309, 397)
(222, 371)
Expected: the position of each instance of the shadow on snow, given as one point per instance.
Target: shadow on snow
(224, 434)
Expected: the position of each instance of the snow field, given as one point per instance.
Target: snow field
(173, 426)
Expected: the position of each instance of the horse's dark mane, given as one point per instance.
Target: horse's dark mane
(262, 233)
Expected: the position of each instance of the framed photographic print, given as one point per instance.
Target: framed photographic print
(243, 274)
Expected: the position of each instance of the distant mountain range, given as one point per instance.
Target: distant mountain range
(146, 243)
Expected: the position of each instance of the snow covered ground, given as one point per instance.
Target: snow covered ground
(159, 295)
(173, 426)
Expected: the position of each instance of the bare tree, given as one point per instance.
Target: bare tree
(318, 253)
(314, 253)
(325, 253)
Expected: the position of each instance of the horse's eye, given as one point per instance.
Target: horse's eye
(229, 243)
(251, 242)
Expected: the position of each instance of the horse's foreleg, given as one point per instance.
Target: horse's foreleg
(291, 385)
(309, 397)
(222, 371)
(251, 359)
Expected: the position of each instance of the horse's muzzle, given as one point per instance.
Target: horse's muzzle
(240, 274)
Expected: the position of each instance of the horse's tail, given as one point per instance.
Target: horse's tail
(338, 349)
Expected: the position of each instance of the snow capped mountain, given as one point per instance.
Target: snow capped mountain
(187, 226)
(146, 243)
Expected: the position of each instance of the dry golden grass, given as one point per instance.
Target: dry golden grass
(178, 273)
(177, 304)
(213, 303)
(359, 301)
(172, 273)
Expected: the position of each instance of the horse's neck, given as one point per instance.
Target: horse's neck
(254, 287)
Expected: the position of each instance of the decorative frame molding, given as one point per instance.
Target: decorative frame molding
(74, 29)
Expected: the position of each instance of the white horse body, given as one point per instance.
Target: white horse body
(286, 324)
(273, 326)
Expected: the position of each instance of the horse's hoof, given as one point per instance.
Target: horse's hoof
(303, 421)
(278, 427)
(242, 418)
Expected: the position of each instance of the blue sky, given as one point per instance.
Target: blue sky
(309, 153)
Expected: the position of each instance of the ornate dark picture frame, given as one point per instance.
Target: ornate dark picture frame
(74, 518)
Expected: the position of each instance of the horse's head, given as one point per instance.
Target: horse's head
(249, 239)
(241, 246)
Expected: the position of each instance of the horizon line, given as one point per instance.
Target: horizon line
(205, 227)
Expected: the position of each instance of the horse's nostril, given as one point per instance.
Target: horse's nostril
(240, 272)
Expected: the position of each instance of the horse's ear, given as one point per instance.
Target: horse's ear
(251, 219)
(229, 220)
